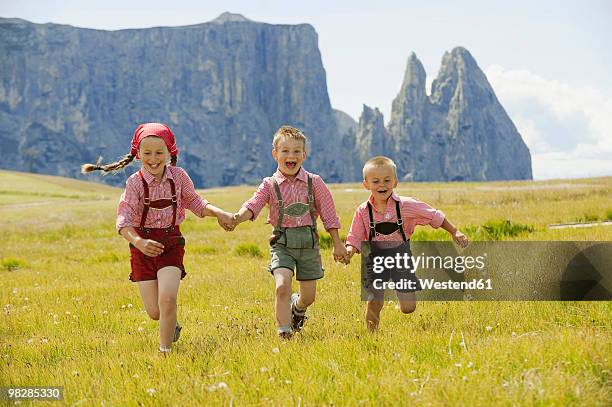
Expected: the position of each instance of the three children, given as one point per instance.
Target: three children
(155, 198)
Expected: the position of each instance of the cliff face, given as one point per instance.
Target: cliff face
(458, 133)
(371, 136)
(68, 95)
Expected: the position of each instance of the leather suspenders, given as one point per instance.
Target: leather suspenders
(282, 209)
(158, 203)
(386, 228)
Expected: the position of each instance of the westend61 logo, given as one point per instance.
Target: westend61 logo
(523, 271)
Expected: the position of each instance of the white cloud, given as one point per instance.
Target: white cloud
(568, 129)
(568, 165)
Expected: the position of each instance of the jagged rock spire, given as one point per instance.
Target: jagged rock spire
(412, 91)
(461, 132)
(408, 105)
(371, 137)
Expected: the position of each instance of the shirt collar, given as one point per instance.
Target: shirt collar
(150, 178)
(302, 175)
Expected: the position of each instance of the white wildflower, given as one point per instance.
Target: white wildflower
(218, 386)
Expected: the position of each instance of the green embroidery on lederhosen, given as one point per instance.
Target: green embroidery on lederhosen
(295, 237)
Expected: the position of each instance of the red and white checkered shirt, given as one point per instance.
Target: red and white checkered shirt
(295, 190)
(413, 213)
(131, 203)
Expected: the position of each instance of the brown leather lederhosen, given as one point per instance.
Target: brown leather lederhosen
(145, 267)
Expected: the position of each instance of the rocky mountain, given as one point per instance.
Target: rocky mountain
(68, 95)
(371, 137)
(460, 132)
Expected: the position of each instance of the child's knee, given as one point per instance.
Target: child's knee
(408, 307)
(283, 290)
(167, 302)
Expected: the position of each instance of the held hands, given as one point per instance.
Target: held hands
(460, 239)
(350, 252)
(340, 253)
(149, 247)
(227, 221)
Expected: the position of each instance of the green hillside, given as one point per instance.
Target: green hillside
(71, 317)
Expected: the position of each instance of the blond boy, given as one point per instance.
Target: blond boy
(388, 217)
(296, 198)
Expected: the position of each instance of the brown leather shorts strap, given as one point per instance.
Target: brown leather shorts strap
(145, 210)
(174, 200)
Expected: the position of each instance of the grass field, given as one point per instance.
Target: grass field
(71, 318)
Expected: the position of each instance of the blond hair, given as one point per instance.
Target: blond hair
(290, 133)
(379, 161)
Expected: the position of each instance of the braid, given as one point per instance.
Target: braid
(128, 158)
(173, 160)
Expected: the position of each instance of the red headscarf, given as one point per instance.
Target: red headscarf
(154, 129)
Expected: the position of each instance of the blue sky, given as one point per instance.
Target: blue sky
(548, 61)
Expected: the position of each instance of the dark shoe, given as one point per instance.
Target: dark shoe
(297, 317)
(285, 335)
(177, 332)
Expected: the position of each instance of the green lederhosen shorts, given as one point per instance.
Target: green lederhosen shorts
(304, 262)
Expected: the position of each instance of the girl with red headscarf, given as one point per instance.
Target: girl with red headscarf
(149, 214)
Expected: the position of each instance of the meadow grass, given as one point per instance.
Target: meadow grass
(70, 317)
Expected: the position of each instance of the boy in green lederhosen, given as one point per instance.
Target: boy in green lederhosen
(296, 198)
